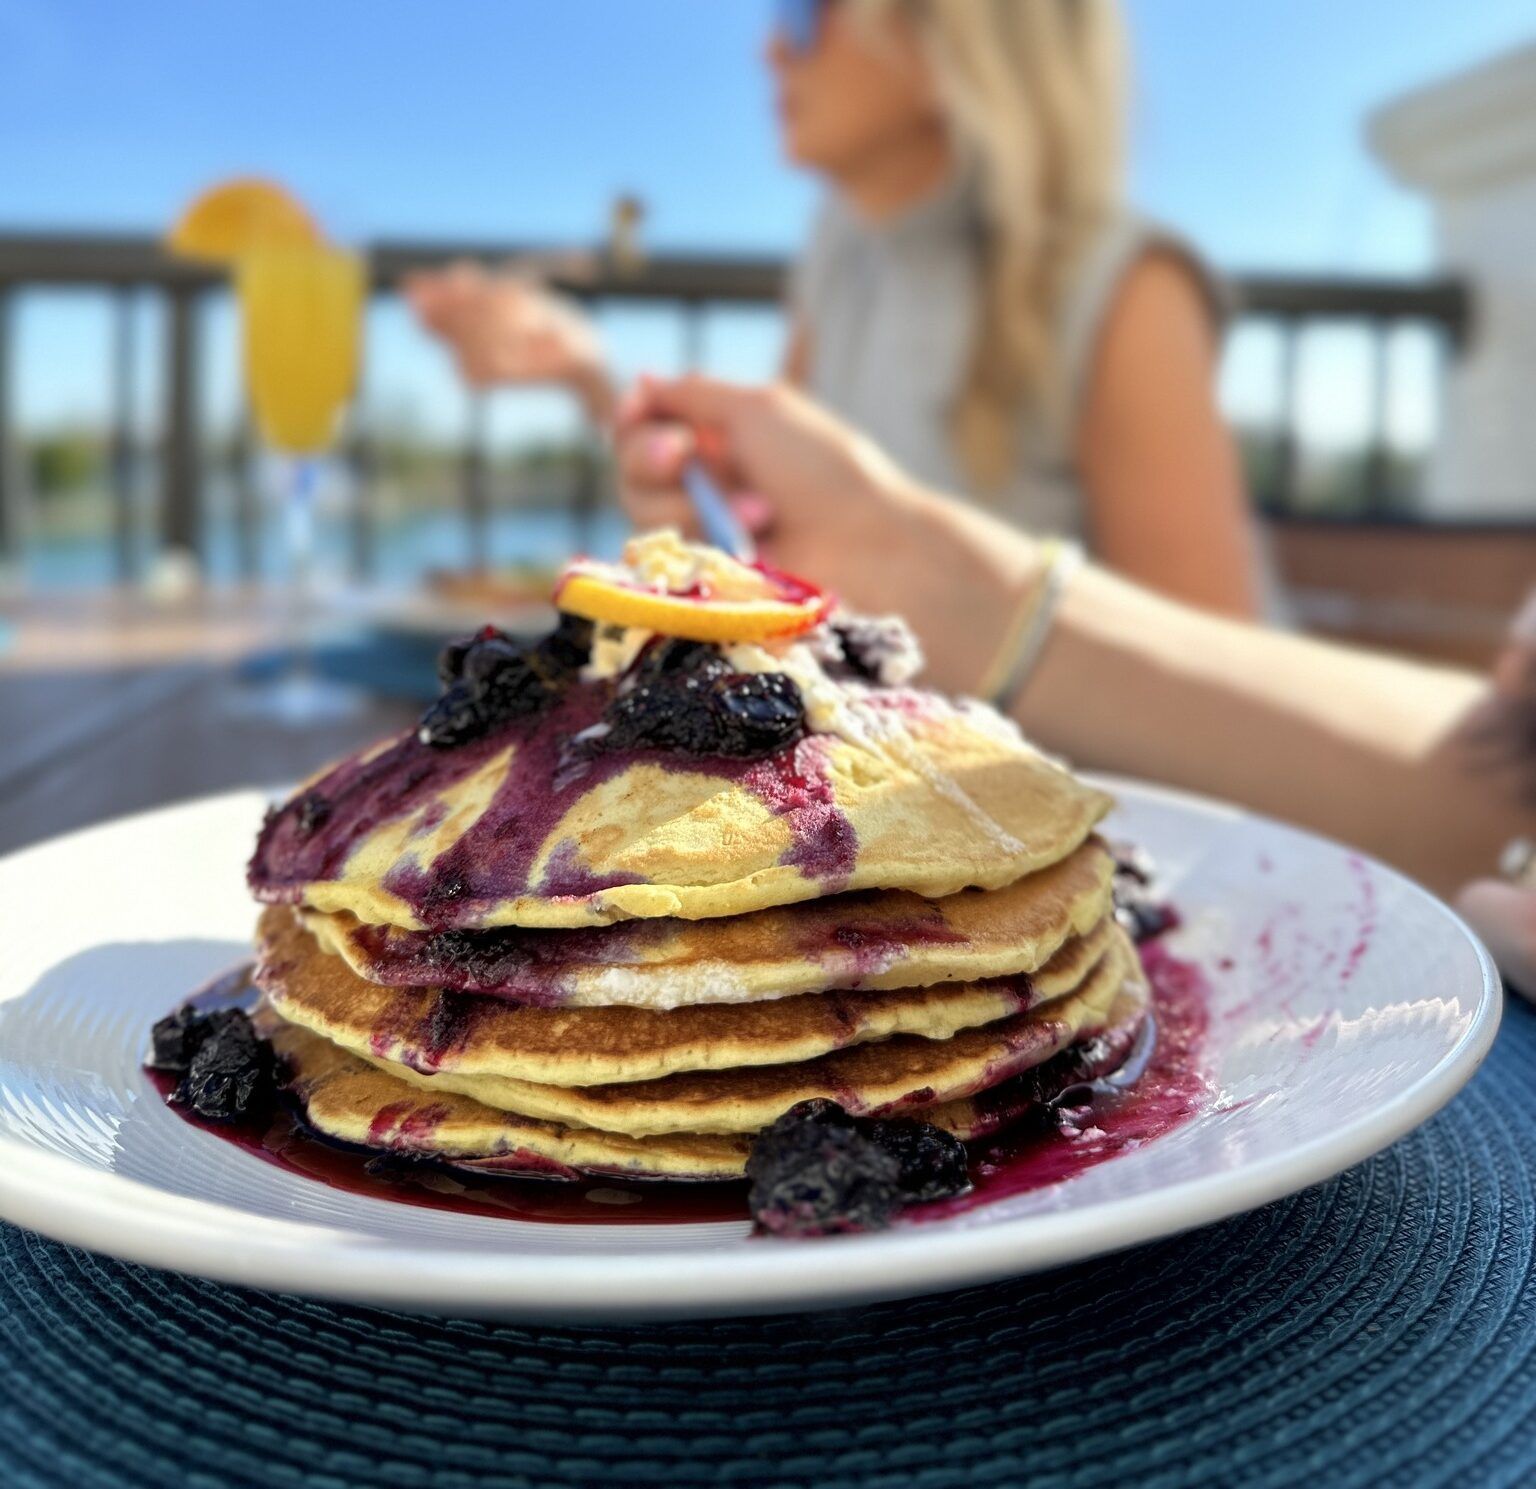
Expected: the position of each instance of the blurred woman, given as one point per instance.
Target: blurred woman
(1424, 766)
(975, 296)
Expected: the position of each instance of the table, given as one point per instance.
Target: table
(111, 703)
(1376, 1330)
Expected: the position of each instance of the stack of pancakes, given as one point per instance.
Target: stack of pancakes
(523, 957)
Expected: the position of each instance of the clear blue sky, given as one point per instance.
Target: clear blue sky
(522, 118)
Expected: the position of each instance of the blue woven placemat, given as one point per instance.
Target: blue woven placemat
(1379, 1329)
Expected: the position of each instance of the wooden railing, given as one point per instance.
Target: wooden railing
(130, 266)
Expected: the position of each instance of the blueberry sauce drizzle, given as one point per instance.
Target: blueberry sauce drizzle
(496, 857)
(842, 935)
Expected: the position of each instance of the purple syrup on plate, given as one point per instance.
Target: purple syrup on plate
(1171, 1090)
(1034, 1152)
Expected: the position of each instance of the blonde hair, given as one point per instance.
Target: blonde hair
(1034, 92)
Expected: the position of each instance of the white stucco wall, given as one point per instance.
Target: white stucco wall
(1469, 143)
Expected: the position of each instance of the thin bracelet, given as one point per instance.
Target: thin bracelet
(1029, 633)
(1005, 658)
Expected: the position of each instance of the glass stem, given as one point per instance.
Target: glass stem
(301, 556)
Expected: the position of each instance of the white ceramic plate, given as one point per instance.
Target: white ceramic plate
(1347, 1006)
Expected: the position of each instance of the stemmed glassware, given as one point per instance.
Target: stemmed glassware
(301, 317)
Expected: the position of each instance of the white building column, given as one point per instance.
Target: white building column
(1469, 143)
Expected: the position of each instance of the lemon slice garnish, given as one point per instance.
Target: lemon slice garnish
(230, 219)
(690, 591)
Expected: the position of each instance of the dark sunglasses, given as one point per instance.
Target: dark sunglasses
(799, 22)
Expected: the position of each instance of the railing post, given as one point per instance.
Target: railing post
(247, 497)
(474, 493)
(1286, 463)
(693, 335)
(360, 457)
(123, 450)
(10, 463)
(1377, 494)
(361, 465)
(181, 475)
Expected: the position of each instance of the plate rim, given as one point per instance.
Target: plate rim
(105, 1212)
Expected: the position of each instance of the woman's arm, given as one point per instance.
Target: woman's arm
(1358, 746)
(796, 367)
(1362, 747)
(1164, 486)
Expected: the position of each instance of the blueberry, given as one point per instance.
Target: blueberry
(878, 649)
(675, 658)
(1140, 906)
(488, 656)
(813, 1175)
(674, 713)
(311, 812)
(1145, 919)
(568, 648)
(450, 660)
(682, 696)
(819, 1109)
(455, 718)
(174, 1040)
(231, 1073)
(1133, 863)
(761, 712)
(933, 1163)
(491, 679)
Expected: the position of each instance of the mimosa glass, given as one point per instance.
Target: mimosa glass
(301, 316)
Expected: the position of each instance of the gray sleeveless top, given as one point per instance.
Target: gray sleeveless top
(889, 310)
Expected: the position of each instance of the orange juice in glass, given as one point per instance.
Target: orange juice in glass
(301, 317)
(301, 312)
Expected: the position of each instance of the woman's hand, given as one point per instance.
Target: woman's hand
(812, 491)
(826, 504)
(503, 329)
(1504, 915)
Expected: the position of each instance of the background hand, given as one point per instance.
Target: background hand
(501, 328)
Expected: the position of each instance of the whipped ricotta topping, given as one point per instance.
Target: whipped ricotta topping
(664, 562)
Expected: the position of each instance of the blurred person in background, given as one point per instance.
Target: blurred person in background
(976, 295)
(1429, 768)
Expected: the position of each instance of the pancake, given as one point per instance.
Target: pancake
(877, 939)
(462, 1033)
(895, 1076)
(351, 1101)
(520, 827)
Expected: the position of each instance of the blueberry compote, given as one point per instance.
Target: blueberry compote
(1141, 906)
(489, 679)
(684, 695)
(213, 1062)
(818, 1171)
(570, 735)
